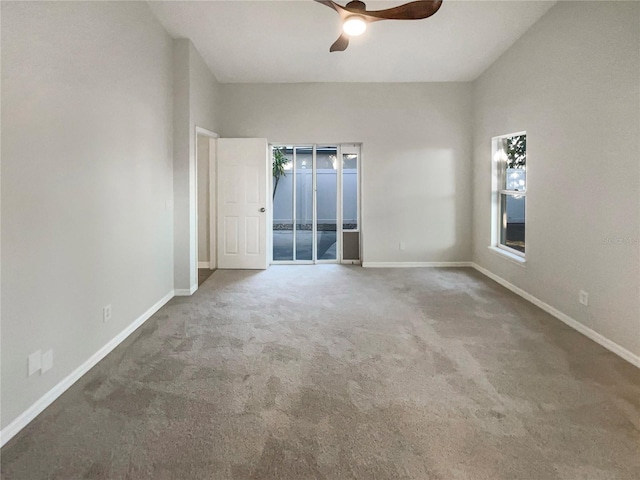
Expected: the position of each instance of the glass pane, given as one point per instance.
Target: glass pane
(515, 149)
(326, 198)
(516, 179)
(282, 203)
(304, 203)
(513, 225)
(350, 191)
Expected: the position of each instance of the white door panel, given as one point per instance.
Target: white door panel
(231, 184)
(243, 168)
(253, 236)
(231, 235)
(252, 185)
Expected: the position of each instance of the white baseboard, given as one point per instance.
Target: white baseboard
(414, 264)
(203, 264)
(610, 345)
(48, 398)
(185, 292)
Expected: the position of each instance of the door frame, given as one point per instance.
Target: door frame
(346, 148)
(212, 205)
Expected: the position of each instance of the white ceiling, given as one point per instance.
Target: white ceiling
(288, 40)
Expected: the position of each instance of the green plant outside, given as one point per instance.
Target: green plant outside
(279, 162)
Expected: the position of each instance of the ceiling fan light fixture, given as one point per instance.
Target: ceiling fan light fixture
(355, 16)
(354, 25)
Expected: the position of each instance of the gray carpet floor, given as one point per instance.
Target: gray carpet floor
(334, 372)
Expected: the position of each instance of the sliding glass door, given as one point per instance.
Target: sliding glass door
(350, 188)
(326, 175)
(309, 201)
(283, 195)
(303, 201)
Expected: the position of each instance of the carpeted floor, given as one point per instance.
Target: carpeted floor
(203, 274)
(334, 372)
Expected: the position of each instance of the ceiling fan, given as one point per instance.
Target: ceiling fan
(354, 16)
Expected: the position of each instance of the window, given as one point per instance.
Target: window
(510, 190)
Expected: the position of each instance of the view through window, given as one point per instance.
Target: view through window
(511, 164)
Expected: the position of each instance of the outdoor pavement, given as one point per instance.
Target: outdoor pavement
(283, 245)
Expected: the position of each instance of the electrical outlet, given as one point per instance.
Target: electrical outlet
(402, 246)
(106, 313)
(47, 361)
(35, 362)
(583, 298)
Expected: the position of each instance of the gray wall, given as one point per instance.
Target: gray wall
(196, 104)
(573, 83)
(86, 182)
(416, 167)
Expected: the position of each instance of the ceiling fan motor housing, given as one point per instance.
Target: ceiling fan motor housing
(356, 5)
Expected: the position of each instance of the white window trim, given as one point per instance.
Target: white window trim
(497, 177)
(509, 254)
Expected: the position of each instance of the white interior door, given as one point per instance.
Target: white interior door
(242, 202)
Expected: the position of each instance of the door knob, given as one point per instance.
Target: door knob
(262, 209)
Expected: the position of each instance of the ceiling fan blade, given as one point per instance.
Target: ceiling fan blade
(409, 11)
(338, 8)
(341, 44)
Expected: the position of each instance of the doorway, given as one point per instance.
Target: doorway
(316, 200)
(205, 204)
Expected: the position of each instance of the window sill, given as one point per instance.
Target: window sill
(512, 257)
